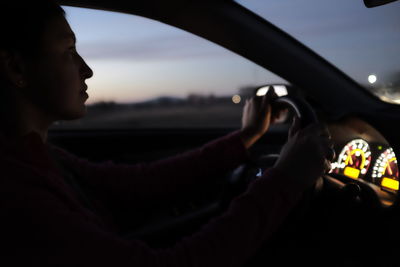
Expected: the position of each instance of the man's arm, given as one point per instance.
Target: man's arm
(179, 176)
(164, 180)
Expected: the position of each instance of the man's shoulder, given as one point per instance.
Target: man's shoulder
(16, 171)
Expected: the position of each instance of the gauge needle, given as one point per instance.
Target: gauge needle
(350, 160)
(389, 169)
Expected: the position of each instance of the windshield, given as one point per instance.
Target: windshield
(362, 42)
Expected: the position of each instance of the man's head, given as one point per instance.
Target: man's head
(38, 60)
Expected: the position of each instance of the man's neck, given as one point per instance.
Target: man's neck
(27, 118)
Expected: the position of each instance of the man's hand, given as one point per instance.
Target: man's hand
(306, 155)
(257, 117)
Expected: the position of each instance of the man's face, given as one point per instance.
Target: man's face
(56, 79)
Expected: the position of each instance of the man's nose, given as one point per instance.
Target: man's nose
(87, 72)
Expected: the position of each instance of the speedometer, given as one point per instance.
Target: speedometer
(354, 159)
(385, 171)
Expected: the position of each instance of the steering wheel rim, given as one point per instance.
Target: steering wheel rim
(242, 176)
(301, 108)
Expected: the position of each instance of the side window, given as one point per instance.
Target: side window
(151, 75)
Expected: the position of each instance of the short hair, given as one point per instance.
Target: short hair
(23, 22)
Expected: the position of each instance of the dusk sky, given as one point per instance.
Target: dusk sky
(358, 40)
(135, 58)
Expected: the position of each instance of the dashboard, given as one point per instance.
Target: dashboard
(363, 156)
(374, 162)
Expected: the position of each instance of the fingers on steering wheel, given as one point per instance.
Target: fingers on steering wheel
(258, 102)
(325, 132)
(271, 95)
(267, 99)
(327, 166)
(327, 147)
(329, 151)
(322, 139)
(276, 108)
(266, 104)
(295, 126)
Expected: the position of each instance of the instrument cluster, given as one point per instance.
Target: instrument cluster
(372, 162)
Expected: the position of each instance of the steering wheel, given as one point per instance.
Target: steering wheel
(239, 179)
(310, 222)
(301, 108)
(336, 193)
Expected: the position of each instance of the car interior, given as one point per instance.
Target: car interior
(351, 216)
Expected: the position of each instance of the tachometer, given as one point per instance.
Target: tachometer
(354, 159)
(385, 171)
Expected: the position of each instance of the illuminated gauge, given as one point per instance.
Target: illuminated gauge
(354, 159)
(385, 171)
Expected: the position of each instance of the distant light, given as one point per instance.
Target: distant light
(280, 90)
(372, 78)
(236, 99)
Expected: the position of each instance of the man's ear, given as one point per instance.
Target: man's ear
(12, 68)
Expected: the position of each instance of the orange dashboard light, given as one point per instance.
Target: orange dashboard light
(390, 183)
(351, 172)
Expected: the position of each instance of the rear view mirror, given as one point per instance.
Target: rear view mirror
(375, 3)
